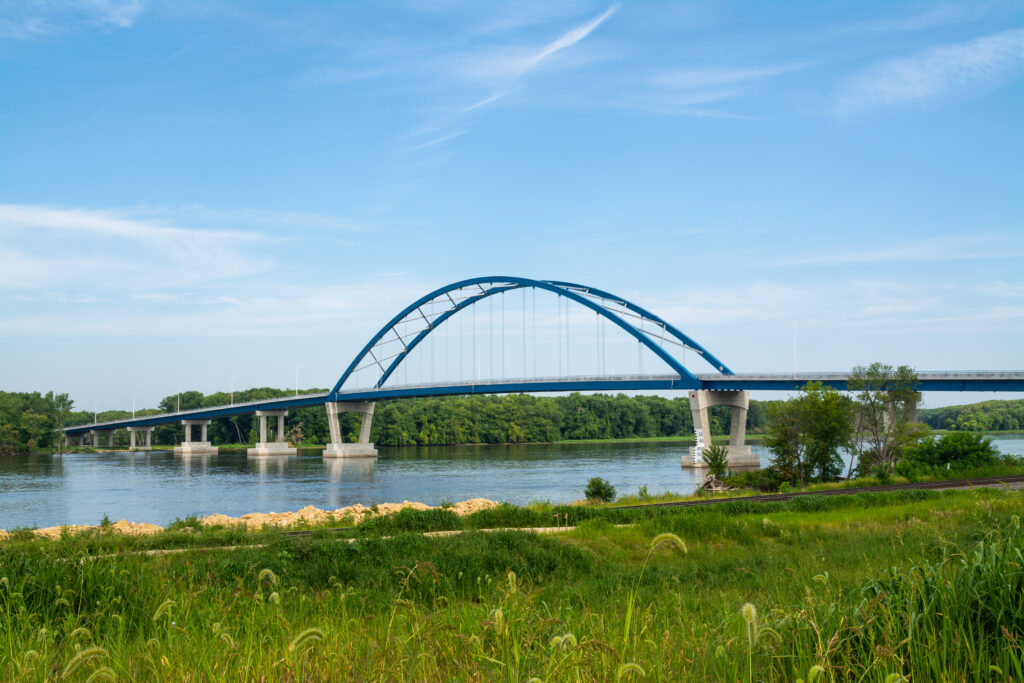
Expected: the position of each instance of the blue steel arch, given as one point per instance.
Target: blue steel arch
(504, 284)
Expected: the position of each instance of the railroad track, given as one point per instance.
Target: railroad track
(948, 484)
(933, 485)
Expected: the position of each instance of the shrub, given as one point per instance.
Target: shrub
(716, 457)
(599, 489)
(766, 479)
(954, 451)
(409, 519)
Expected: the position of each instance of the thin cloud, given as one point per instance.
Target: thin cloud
(980, 64)
(102, 247)
(712, 77)
(500, 71)
(252, 219)
(933, 249)
(28, 20)
(501, 64)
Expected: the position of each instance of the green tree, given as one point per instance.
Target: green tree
(295, 435)
(806, 434)
(61, 407)
(955, 451)
(716, 457)
(599, 489)
(886, 400)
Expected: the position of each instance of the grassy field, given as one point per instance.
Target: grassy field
(917, 584)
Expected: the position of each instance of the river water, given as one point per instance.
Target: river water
(157, 486)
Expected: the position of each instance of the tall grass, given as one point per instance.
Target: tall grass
(923, 587)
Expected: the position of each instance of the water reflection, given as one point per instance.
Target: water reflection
(352, 469)
(157, 486)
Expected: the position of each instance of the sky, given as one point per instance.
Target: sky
(204, 195)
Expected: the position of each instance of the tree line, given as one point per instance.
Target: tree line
(979, 417)
(454, 420)
(32, 421)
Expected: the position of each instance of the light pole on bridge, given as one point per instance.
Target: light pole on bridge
(133, 406)
(232, 399)
(795, 323)
(297, 378)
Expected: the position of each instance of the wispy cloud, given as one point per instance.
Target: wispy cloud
(714, 77)
(248, 219)
(103, 247)
(1010, 290)
(495, 65)
(938, 248)
(26, 20)
(333, 310)
(976, 65)
(473, 81)
(933, 15)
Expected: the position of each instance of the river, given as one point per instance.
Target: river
(157, 486)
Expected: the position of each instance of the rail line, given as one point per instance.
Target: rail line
(768, 497)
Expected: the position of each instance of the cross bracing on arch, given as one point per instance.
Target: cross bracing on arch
(396, 340)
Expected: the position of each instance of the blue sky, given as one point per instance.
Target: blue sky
(199, 194)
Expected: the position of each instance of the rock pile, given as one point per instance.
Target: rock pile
(308, 515)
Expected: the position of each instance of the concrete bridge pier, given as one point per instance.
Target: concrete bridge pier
(95, 434)
(190, 447)
(132, 431)
(337, 449)
(740, 454)
(278, 447)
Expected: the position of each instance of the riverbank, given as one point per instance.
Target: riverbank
(307, 517)
(679, 439)
(757, 591)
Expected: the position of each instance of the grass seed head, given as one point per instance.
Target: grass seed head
(104, 673)
(668, 537)
(305, 639)
(164, 608)
(628, 668)
(82, 657)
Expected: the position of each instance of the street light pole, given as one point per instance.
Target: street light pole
(232, 400)
(297, 378)
(133, 406)
(795, 323)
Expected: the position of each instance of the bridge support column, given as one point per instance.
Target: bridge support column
(740, 454)
(132, 442)
(95, 434)
(278, 447)
(190, 447)
(337, 449)
(110, 439)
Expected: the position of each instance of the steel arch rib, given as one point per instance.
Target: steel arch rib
(675, 332)
(554, 287)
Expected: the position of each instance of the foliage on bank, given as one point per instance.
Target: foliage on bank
(977, 417)
(31, 421)
(512, 418)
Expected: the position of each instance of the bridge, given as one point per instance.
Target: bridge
(371, 375)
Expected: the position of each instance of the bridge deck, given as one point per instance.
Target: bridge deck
(927, 381)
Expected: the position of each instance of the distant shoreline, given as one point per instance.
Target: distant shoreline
(687, 440)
